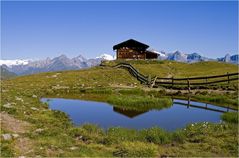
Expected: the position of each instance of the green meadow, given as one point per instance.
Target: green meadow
(35, 130)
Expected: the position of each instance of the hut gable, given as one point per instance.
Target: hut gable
(132, 49)
(131, 43)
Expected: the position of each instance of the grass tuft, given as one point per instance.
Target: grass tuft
(231, 117)
(135, 149)
(139, 102)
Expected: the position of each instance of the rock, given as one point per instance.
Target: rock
(39, 130)
(8, 105)
(34, 96)
(73, 148)
(15, 135)
(7, 136)
(19, 99)
(60, 87)
(33, 108)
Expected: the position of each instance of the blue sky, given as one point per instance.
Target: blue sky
(37, 30)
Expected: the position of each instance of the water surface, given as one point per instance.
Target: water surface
(105, 115)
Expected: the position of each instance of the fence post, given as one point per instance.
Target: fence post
(188, 85)
(206, 80)
(228, 80)
(172, 82)
(149, 79)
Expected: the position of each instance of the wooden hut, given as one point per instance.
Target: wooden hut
(132, 49)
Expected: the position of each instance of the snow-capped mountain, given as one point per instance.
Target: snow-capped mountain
(14, 62)
(177, 56)
(106, 57)
(229, 59)
(184, 57)
(59, 63)
(194, 57)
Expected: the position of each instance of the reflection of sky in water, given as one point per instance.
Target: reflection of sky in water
(177, 116)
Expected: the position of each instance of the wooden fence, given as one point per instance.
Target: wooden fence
(134, 72)
(188, 82)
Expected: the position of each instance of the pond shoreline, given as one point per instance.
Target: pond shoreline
(136, 112)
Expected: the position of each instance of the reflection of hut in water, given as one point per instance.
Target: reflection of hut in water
(127, 112)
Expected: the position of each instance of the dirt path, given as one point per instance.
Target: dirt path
(13, 125)
(22, 144)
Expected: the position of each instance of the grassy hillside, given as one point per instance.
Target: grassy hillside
(179, 69)
(36, 130)
(77, 79)
(5, 74)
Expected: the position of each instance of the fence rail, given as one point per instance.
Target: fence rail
(159, 81)
(134, 72)
(195, 83)
(204, 77)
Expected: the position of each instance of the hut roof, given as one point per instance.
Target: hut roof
(131, 43)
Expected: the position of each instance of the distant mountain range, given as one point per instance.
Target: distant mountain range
(23, 67)
(195, 57)
(5, 74)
